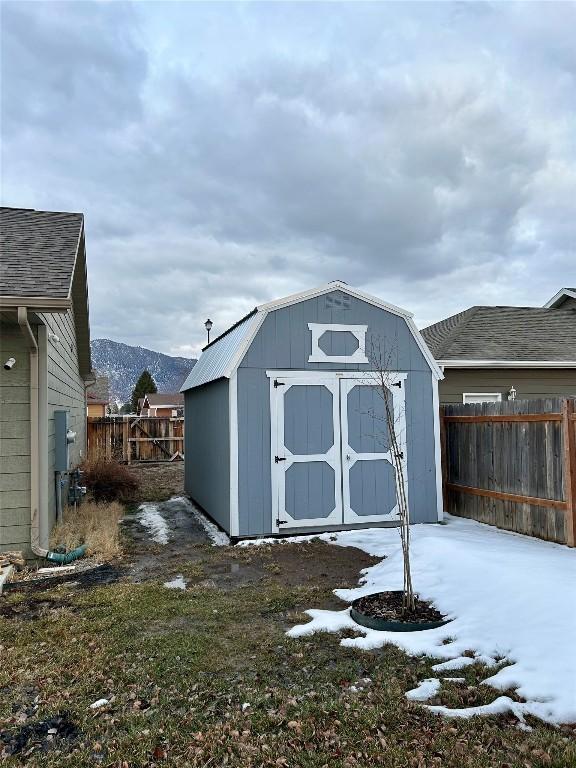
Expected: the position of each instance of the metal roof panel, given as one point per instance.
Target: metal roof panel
(214, 363)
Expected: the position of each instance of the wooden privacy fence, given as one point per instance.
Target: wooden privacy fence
(512, 464)
(132, 438)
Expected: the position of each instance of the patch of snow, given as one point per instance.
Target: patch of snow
(500, 706)
(99, 703)
(458, 663)
(218, 537)
(177, 583)
(455, 679)
(508, 597)
(286, 540)
(425, 690)
(150, 517)
(245, 706)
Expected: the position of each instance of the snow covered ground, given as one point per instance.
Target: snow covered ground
(176, 583)
(509, 596)
(150, 517)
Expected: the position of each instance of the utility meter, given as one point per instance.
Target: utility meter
(64, 437)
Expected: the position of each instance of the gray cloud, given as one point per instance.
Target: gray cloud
(228, 154)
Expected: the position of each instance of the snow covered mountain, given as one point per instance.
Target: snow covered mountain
(123, 365)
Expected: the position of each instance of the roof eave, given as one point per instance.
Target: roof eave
(456, 363)
(78, 294)
(36, 303)
(335, 285)
(562, 294)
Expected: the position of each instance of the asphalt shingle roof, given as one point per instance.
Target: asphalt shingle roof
(38, 252)
(505, 333)
(165, 398)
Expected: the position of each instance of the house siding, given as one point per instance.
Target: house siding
(530, 383)
(207, 449)
(65, 391)
(14, 440)
(60, 388)
(284, 343)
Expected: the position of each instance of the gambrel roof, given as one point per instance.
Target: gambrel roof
(221, 357)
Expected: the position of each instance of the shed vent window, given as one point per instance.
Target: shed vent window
(338, 343)
(338, 301)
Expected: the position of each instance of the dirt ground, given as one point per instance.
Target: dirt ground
(206, 676)
(159, 480)
(189, 549)
(189, 552)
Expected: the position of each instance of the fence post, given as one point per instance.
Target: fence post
(443, 459)
(569, 440)
(125, 443)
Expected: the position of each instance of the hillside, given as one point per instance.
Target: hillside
(123, 365)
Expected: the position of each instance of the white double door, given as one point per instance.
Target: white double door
(331, 455)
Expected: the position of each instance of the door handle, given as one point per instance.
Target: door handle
(347, 457)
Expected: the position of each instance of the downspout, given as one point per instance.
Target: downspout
(34, 437)
(35, 453)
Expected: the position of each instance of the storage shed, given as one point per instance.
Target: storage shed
(284, 419)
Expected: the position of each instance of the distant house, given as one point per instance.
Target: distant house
(98, 398)
(45, 350)
(497, 353)
(161, 404)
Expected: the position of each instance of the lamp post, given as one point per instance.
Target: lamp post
(208, 326)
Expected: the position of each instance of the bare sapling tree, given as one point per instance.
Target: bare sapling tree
(386, 378)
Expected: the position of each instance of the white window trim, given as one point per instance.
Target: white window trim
(319, 356)
(496, 395)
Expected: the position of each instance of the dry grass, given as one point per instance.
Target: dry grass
(107, 480)
(95, 525)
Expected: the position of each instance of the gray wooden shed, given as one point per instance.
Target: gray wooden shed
(284, 429)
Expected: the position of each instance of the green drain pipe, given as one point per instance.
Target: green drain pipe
(67, 557)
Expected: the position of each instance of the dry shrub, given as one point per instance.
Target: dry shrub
(107, 480)
(95, 525)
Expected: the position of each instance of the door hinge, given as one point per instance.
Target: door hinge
(400, 454)
(278, 458)
(279, 384)
(281, 522)
(398, 384)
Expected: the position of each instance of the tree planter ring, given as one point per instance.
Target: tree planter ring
(391, 625)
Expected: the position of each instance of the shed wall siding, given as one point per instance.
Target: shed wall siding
(14, 440)
(284, 343)
(207, 449)
(530, 383)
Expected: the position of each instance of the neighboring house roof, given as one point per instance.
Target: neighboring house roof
(43, 268)
(564, 294)
(32, 244)
(505, 334)
(165, 399)
(222, 356)
(99, 390)
(95, 400)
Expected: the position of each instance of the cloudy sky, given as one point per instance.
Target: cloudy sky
(227, 154)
